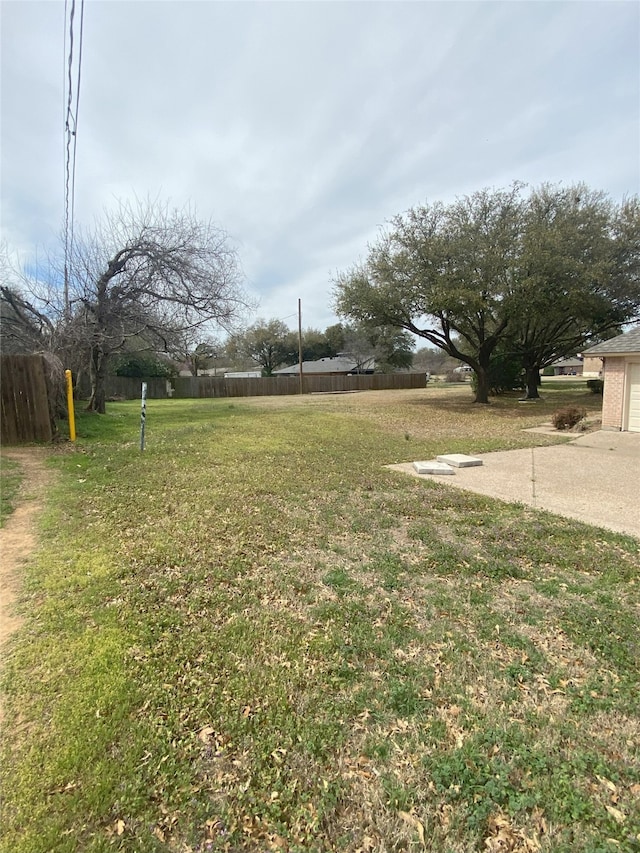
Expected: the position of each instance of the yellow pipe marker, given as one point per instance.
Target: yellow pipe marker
(72, 417)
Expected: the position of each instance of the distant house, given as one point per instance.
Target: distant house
(342, 365)
(568, 367)
(621, 374)
(210, 371)
(581, 365)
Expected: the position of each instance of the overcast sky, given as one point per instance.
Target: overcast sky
(301, 127)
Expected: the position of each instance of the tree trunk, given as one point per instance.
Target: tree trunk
(98, 374)
(483, 386)
(532, 381)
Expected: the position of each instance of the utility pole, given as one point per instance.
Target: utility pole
(300, 344)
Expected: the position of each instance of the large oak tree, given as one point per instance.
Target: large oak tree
(543, 273)
(579, 279)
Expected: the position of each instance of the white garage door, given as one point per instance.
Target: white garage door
(634, 398)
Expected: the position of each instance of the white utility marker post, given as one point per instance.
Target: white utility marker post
(143, 414)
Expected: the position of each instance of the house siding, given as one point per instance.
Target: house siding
(613, 396)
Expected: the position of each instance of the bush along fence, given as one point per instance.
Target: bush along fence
(183, 387)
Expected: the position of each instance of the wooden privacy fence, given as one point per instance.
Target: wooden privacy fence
(215, 386)
(185, 387)
(28, 394)
(124, 388)
(26, 400)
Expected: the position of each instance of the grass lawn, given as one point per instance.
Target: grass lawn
(10, 479)
(255, 637)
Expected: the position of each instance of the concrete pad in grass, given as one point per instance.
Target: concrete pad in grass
(592, 478)
(459, 460)
(432, 467)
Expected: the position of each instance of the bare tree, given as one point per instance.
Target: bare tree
(148, 271)
(25, 329)
(196, 347)
(24, 325)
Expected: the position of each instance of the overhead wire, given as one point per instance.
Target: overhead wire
(68, 92)
(75, 135)
(71, 98)
(65, 114)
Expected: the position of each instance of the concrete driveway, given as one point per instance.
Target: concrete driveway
(594, 478)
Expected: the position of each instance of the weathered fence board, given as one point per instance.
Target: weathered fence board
(195, 387)
(217, 386)
(130, 389)
(26, 413)
(124, 388)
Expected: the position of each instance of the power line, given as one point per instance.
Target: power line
(72, 103)
(66, 169)
(75, 135)
(68, 57)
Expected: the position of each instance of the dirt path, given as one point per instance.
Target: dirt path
(18, 536)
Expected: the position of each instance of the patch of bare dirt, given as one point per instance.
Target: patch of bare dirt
(18, 536)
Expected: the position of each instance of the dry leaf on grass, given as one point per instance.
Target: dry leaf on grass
(205, 734)
(413, 821)
(616, 814)
(607, 783)
(64, 789)
(506, 839)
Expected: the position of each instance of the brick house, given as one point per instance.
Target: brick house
(621, 374)
(591, 367)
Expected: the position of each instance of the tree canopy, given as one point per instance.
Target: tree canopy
(25, 329)
(579, 279)
(540, 274)
(389, 347)
(269, 344)
(147, 272)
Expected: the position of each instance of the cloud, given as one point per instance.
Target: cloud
(302, 127)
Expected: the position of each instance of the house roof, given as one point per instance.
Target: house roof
(568, 362)
(340, 364)
(620, 345)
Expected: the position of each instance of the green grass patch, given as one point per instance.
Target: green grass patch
(253, 636)
(10, 479)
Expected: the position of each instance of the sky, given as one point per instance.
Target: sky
(301, 128)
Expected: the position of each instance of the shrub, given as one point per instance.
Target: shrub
(143, 366)
(595, 385)
(453, 376)
(568, 417)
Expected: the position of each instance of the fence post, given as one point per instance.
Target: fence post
(143, 414)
